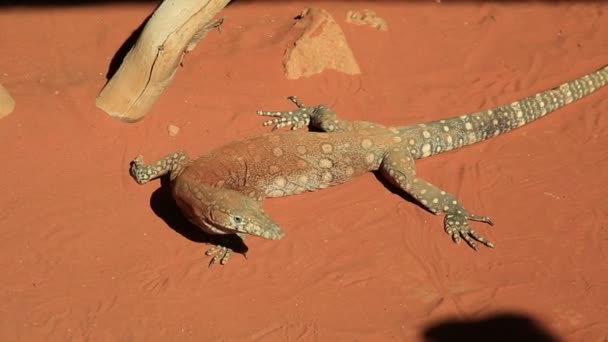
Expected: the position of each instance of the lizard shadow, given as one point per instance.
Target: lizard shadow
(499, 327)
(390, 187)
(164, 207)
(393, 189)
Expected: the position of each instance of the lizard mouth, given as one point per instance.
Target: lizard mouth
(213, 228)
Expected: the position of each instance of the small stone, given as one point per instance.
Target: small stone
(366, 17)
(173, 130)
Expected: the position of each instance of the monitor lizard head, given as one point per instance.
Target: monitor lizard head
(219, 210)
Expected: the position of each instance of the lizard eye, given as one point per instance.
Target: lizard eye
(238, 219)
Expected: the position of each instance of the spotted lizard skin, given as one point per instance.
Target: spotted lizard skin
(222, 191)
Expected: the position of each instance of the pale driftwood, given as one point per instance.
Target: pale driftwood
(173, 30)
(7, 104)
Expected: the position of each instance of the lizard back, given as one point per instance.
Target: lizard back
(286, 163)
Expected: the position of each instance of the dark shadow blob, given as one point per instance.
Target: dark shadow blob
(70, 3)
(397, 191)
(126, 46)
(164, 206)
(500, 327)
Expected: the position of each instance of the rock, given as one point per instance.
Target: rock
(321, 45)
(366, 17)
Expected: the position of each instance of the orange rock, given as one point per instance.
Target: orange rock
(322, 45)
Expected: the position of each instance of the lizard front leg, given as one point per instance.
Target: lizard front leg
(319, 117)
(223, 253)
(398, 168)
(173, 163)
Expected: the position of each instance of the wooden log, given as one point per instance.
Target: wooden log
(148, 68)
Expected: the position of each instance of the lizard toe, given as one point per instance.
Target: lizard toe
(483, 219)
(456, 225)
(296, 118)
(220, 253)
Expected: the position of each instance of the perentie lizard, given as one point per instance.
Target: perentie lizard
(222, 191)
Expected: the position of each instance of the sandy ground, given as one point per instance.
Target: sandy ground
(89, 255)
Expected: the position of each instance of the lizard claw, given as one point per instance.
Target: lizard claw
(138, 170)
(297, 118)
(220, 253)
(457, 226)
(296, 101)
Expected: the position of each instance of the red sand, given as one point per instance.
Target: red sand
(84, 255)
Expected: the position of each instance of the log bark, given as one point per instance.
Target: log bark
(148, 68)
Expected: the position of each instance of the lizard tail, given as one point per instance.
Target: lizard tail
(444, 135)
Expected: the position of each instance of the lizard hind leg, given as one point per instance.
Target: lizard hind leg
(398, 168)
